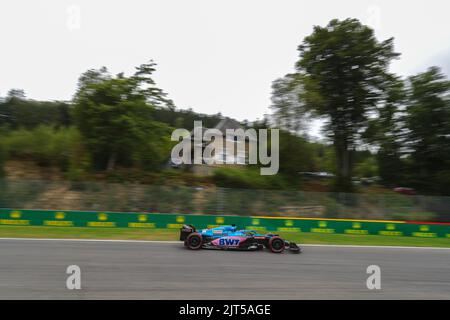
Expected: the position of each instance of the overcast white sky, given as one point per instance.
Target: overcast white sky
(212, 55)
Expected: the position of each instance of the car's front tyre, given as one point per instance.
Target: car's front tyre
(276, 244)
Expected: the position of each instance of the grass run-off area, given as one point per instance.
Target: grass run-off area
(172, 234)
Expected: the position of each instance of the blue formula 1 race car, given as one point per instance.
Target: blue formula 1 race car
(230, 238)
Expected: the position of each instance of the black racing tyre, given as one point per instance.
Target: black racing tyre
(276, 245)
(194, 241)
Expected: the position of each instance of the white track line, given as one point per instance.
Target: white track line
(175, 242)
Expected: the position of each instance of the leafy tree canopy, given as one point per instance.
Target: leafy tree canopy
(114, 114)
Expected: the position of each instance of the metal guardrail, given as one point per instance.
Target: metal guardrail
(96, 196)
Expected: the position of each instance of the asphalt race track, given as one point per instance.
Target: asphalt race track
(36, 269)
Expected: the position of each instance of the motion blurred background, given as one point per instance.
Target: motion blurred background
(364, 118)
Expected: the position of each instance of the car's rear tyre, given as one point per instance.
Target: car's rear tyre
(194, 241)
(276, 245)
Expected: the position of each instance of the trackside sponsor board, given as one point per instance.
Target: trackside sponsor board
(99, 219)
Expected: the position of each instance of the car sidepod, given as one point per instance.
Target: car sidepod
(235, 243)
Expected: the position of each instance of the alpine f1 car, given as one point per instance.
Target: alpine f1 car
(230, 238)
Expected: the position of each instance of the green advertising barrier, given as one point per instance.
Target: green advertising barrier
(15, 217)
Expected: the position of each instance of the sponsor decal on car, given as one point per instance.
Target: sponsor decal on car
(228, 242)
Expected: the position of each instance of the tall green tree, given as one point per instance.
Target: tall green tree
(114, 115)
(428, 135)
(343, 68)
(387, 132)
(289, 111)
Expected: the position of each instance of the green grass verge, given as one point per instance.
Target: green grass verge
(171, 234)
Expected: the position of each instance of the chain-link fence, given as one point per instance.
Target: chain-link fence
(65, 195)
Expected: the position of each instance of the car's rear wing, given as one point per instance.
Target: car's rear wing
(186, 230)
